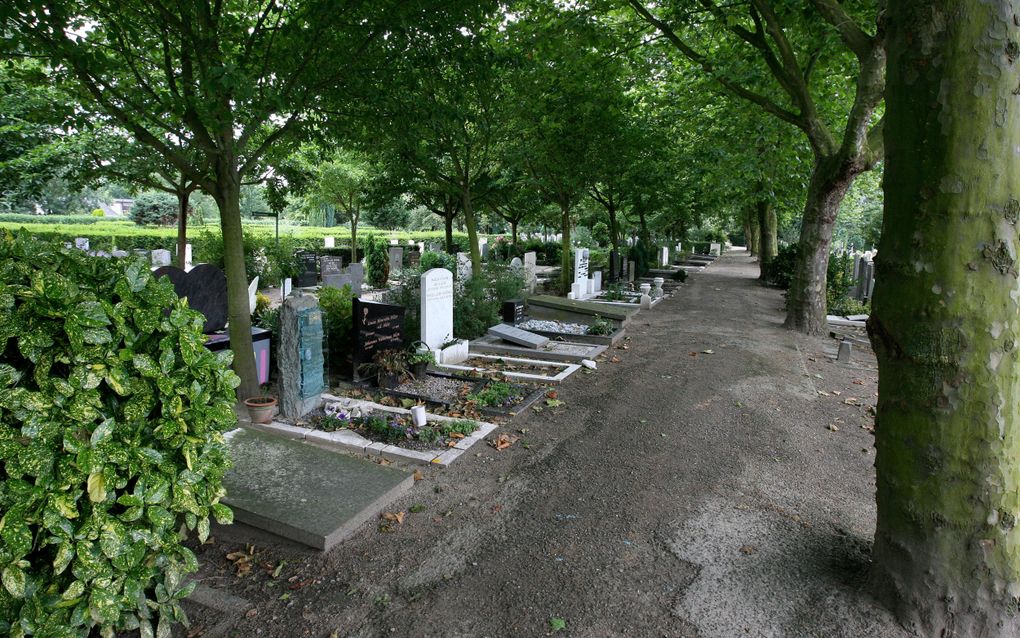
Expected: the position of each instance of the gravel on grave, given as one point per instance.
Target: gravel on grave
(554, 326)
(434, 388)
(313, 420)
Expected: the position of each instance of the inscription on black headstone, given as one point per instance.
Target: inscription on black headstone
(413, 258)
(513, 311)
(309, 269)
(331, 265)
(377, 327)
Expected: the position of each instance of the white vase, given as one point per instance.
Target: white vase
(418, 415)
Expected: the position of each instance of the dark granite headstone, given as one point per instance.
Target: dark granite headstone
(377, 327)
(205, 286)
(513, 311)
(615, 270)
(332, 269)
(413, 258)
(309, 275)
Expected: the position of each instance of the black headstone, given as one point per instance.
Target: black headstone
(205, 286)
(332, 269)
(615, 271)
(309, 275)
(413, 258)
(377, 327)
(513, 311)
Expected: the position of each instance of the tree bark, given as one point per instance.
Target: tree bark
(805, 304)
(469, 221)
(513, 231)
(944, 322)
(614, 226)
(354, 235)
(183, 197)
(228, 200)
(566, 263)
(767, 241)
(448, 223)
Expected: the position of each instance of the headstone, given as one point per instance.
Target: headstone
(463, 266)
(715, 249)
(516, 263)
(205, 286)
(377, 327)
(396, 259)
(518, 336)
(253, 290)
(329, 242)
(301, 362)
(332, 269)
(394, 242)
(414, 258)
(513, 311)
(615, 269)
(309, 274)
(357, 274)
(843, 355)
(596, 277)
(630, 271)
(285, 289)
(580, 264)
(436, 307)
(81, 243)
(119, 253)
(160, 257)
(530, 271)
(484, 250)
(577, 290)
(664, 256)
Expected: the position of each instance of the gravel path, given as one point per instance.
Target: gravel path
(716, 481)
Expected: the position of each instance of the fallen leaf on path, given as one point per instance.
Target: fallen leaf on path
(850, 401)
(251, 613)
(834, 427)
(615, 359)
(858, 382)
(396, 517)
(748, 549)
(503, 441)
(418, 476)
(455, 435)
(551, 394)
(694, 354)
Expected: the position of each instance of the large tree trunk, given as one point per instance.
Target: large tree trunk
(228, 200)
(448, 223)
(944, 322)
(614, 226)
(183, 197)
(513, 231)
(805, 304)
(354, 236)
(751, 230)
(566, 257)
(767, 242)
(469, 221)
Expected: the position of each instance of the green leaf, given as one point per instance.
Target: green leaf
(146, 365)
(91, 314)
(557, 624)
(102, 432)
(65, 553)
(223, 514)
(14, 581)
(203, 529)
(97, 488)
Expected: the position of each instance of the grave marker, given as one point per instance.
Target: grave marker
(205, 286)
(160, 257)
(301, 363)
(377, 327)
(329, 242)
(580, 264)
(436, 308)
(518, 336)
(414, 258)
(513, 311)
(332, 268)
(309, 275)
(81, 243)
(396, 259)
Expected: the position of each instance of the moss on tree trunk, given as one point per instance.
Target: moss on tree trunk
(945, 321)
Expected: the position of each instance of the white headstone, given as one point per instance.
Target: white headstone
(580, 264)
(253, 290)
(81, 243)
(715, 249)
(664, 256)
(436, 307)
(187, 256)
(394, 242)
(589, 286)
(516, 263)
(285, 289)
(329, 242)
(160, 257)
(597, 278)
(577, 289)
(530, 262)
(463, 266)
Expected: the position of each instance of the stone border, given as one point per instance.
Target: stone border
(348, 441)
(509, 413)
(480, 346)
(567, 369)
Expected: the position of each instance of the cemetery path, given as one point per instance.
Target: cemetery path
(717, 480)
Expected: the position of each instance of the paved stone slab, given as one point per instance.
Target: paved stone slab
(518, 336)
(580, 307)
(551, 351)
(304, 493)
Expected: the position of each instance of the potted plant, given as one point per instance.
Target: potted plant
(419, 358)
(389, 366)
(261, 407)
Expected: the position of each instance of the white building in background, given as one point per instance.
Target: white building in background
(118, 207)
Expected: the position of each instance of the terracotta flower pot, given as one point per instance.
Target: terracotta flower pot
(260, 409)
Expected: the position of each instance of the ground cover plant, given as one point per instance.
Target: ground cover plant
(395, 429)
(112, 415)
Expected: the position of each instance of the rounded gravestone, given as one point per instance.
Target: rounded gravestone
(205, 287)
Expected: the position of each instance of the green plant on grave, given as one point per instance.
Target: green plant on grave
(337, 306)
(463, 427)
(680, 275)
(377, 263)
(601, 327)
(614, 292)
(112, 416)
(497, 394)
(416, 356)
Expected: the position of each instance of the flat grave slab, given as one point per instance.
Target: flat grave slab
(518, 336)
(581, 307)
(558, 370)
(569, 351)
(349, 441)
(305, 493)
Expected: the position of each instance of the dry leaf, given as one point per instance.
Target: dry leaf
(748, 549)
(850, 401)
(455, 435)
(251, 613)
(418, 476)
(834, 427)
(615, 359)
(503, 441)
(858, 382)
(551, 394)
(394, 517)
(451, 444)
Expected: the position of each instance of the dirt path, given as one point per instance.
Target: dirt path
(693, 488)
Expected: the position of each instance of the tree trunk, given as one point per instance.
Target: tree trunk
(805, 304)
(228, 201)
(646, 237)
(448, 222)
(566, 261)
(183, 197)
(469, 221)
(614, 226)
(766, 222)
(944, 322)
(354, 236)
(513, 231)
(751, 230)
